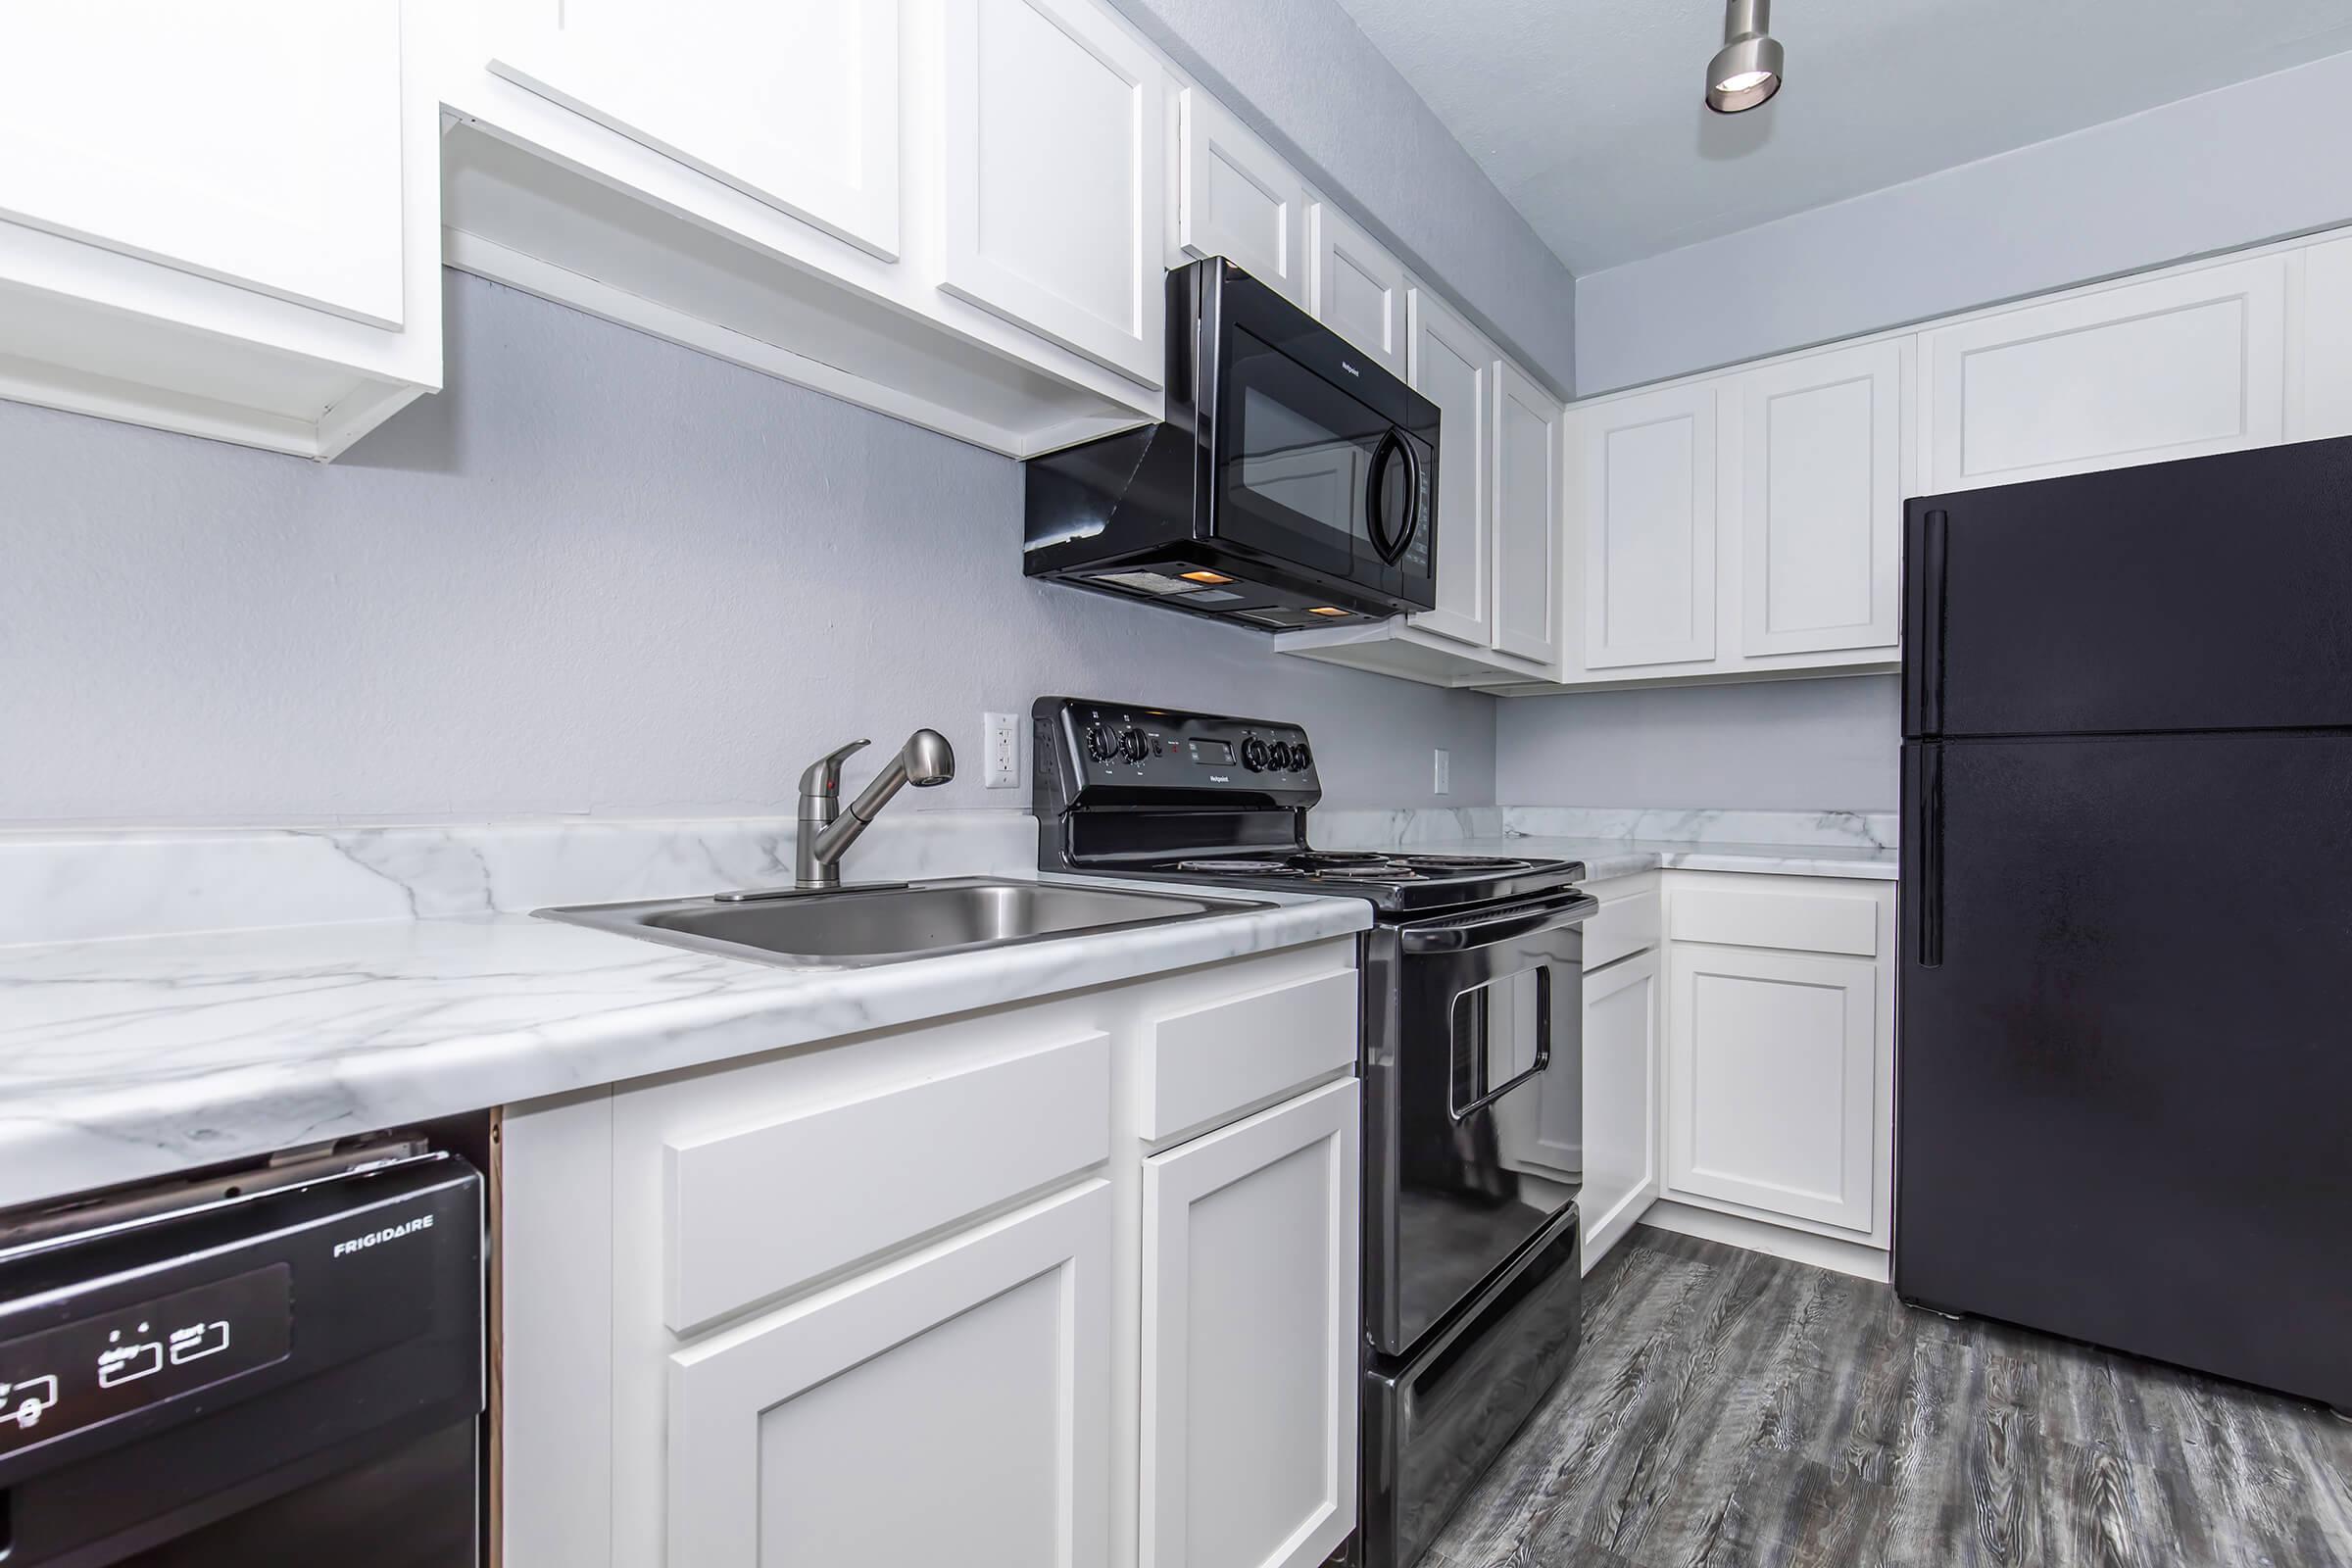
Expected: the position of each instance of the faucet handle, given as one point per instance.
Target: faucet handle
(823, 778)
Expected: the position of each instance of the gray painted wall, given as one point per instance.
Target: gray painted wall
(1791, 746)
(2249, 163)
(1352, 123)
(598, 574)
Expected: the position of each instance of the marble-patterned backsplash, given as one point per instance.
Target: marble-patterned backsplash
(87, 885)
(1344, 830)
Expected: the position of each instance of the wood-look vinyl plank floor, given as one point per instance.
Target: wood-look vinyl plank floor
(1733, 1410)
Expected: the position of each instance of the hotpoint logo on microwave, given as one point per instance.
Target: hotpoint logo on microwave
(1349, 369)
(390, 1233)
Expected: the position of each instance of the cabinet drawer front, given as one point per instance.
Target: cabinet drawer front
(1201, 1066)
(1621, 926)
(971, 1381)
(758, 1210)
(1795, 922)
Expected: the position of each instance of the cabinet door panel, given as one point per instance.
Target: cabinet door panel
(1527, 516)
(1053, 178)
(1821, 499)
(955, 1408)
(258, 145)
(2174, 368)
(1772, 1078)
(1249, 1340)
(1358, 289)
(1453, 367)
(795, 103)
(1649, 529)
(1617, 1120)
(1235, 199)
(2319, 348)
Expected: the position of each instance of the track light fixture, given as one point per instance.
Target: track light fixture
(1747, 70)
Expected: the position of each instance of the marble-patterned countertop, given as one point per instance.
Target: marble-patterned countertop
(1624, 843)
(137, 1055)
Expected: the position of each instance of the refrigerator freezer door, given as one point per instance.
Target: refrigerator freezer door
(2125, 1092)
(2214, 593)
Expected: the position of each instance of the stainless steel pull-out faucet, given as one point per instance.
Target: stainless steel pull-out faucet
(827, 831)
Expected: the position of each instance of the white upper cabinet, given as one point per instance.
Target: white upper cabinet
(1053, 125)
(1453, 367)
(259, 147)
(1357, 289)
(1527, 517)
(2319, 388)
(791, 102)
(2175, 366)
(1648, 509)
(1820, 502)
(1235, 199)
(222, 220)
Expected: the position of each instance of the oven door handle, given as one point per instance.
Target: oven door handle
(1542, 1060)
(1501, 927)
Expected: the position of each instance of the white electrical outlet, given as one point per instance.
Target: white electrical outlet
(1002, 733)
(1442, 781)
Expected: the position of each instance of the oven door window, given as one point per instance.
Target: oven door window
(1299, 463)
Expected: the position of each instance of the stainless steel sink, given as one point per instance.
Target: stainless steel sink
(858, 926)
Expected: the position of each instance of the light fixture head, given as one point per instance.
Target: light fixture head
(1747, 70)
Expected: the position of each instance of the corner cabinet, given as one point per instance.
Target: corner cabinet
(222, 221)
(1646, 516)
(1065, 1284)
(1779, 1067)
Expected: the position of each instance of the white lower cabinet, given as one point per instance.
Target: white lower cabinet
(1250, 1339)
(1772, 1061)
(1779, 1062)
(1617, 1120)
(1059, 1285)
(952, 1409)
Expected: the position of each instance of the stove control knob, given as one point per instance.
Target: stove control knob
(1254, 755)
(1101, 743)
(1282, 756)
(1300, 757)
(1134, 747)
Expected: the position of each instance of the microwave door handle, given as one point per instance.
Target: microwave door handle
(1502, 927)
(1542, 1047)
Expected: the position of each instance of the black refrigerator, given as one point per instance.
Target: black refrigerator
(2124, 1066)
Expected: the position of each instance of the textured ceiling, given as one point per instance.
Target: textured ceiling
(1587, 113)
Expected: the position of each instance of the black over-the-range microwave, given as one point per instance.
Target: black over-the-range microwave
(1292, 483)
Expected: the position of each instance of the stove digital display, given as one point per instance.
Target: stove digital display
(1213, 754)
(95, 1369)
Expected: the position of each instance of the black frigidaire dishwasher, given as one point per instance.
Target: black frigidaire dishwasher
(283, 1365)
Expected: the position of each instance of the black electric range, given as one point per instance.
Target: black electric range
(1471, 1000)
